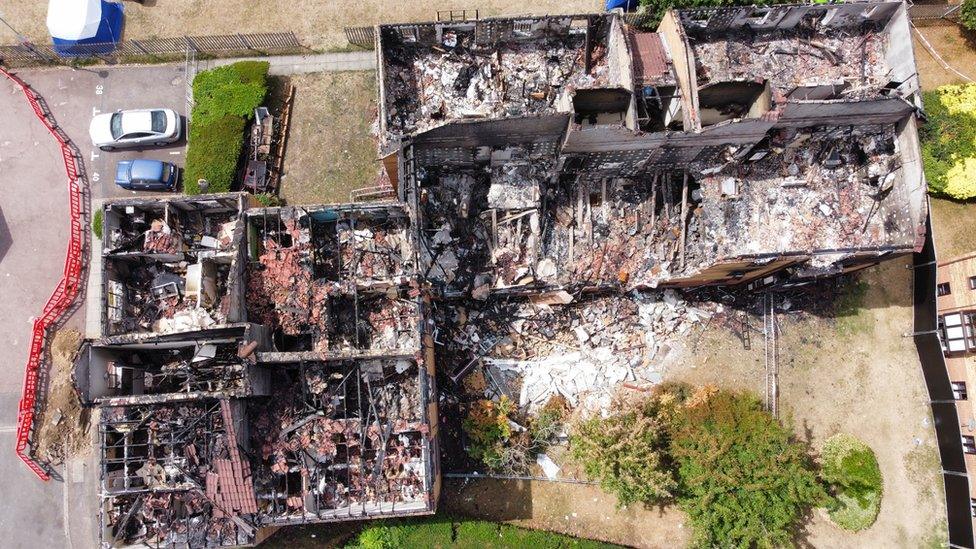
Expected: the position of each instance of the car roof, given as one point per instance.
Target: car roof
(136, 121)
(146, 169)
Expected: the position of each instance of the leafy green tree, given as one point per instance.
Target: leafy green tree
(626, 452)
(743, 480)
(949, 141)
(967, 14)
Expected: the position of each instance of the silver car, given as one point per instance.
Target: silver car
(134, 128)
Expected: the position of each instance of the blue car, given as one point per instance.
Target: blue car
(146, 175)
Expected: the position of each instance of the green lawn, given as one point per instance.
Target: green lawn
(444, 532)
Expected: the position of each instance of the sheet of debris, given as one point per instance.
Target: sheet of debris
(429, 85)
(584, 351)
(787, 59)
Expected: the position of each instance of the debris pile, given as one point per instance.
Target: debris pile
(819, 188)
(582, 350)
(824, 55)
(458, 78)
(355, 439)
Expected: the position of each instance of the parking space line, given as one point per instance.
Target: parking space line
(175, 152)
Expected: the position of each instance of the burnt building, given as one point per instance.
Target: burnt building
(730, 145)
(258, 367)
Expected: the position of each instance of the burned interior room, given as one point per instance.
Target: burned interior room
(333, 278)
(170, 370)
(343, 438)
(173, 472)
(171, 265)
(435, 73)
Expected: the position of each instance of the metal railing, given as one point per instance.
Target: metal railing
(252, 44)
(63, 297)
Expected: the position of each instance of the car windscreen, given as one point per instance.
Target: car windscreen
(165, 175)
(158, 121)
(116, 125)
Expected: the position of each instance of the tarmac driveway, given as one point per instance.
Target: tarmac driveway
(76, 95)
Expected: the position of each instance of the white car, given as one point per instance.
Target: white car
(135, 128)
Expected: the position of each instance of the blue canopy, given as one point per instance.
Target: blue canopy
(84, 27)
(627, 5)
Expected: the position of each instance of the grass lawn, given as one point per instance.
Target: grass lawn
(954, 226)
(426, 532)
(330, 150)
(443, 532)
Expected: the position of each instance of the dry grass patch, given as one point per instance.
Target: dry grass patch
(330, 150)
(952, 225)
(318, 23)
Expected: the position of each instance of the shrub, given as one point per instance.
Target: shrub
(851, 469)
(949, 141)
(743, 480)
(269, 200)
(213, 152)
(967, 15)
(658, 7)
(488, 429)
(224, 102)
(97, 222)
(626, 452)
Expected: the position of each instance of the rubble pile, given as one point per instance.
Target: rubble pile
(621, 232)
(161, 239)
(374, 253)
(456, 238)
(582, 350)
(431, 84)
(823, 55)
(158, 459)
(170, 519)
(356, 439)
(816, 188)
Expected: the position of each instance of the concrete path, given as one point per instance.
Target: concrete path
(286, 65)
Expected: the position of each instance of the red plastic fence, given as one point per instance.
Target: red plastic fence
(65, 292)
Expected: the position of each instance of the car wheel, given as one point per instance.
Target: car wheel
(106, 149)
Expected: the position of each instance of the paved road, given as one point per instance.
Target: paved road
(33, 222)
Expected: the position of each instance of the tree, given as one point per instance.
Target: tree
(626, 452)
(743, 480)
(967, 14)
(659, 7)
(949, 140)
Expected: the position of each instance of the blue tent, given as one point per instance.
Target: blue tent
(84, 27)
(627, 5)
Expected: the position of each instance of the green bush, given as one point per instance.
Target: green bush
(626, 452)
(224, 102)
(743, 480)
(97, 221)
(949, 141)
(851, 469)
(658, 7)
(213, 153)
(461, 533)
(967, 15)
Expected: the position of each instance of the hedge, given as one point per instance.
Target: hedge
(949, 141)
(224, 102)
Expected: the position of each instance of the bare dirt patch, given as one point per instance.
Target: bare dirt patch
(64, 422)
(578, 510)
(330, 150)
(318, 23)
(855, 374)
(953, 44)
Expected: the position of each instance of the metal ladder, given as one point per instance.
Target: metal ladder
(771, 352)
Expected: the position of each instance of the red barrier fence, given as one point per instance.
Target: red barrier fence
(67, 289)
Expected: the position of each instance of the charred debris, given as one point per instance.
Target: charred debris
(297, 390)
(560, 181)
